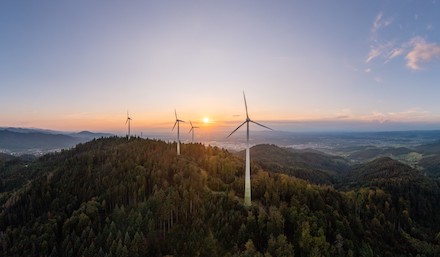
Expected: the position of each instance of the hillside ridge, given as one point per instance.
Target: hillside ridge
(119, 197)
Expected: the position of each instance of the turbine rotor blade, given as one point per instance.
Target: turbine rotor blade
(245, 105)
(236, 129)
(260, 124)
(174, 125)
(190, 130)
(191, 124)
(175, 113)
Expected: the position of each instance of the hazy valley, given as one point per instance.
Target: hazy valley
(419, 149)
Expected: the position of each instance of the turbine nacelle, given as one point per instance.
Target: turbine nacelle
(192, 130)
(178, 131)
(128, 118)
(247, 119)
(192, 127)
(247, 193)
(128, 121)
(177, 120)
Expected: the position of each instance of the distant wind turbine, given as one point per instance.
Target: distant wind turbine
(247, 184)
(192, 130)
(178, 131)
(128, 121)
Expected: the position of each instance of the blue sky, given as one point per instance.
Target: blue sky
(321, 65)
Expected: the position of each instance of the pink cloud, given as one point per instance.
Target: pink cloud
(375, 52)
(379, 51)
(421, 52)
(380, 22)
(394, 53)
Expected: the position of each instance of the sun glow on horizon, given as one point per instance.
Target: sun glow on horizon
(206, 120)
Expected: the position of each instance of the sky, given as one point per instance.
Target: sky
(304, 65)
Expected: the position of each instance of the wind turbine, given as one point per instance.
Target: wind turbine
(178, 131)
(247, 183)
(192, 129)
(128, 121)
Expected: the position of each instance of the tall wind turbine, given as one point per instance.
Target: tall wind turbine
(247, 183)
(128, 121)
(192, 130)
(178, 131)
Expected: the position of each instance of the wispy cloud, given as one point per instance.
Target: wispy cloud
(374, 52)
(378, 117)
(379, 50)
(394, 53)
(416, 51)
(413, 114)
(421, 51)
(380, 22)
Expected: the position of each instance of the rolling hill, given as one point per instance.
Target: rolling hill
(431, 165)
(371, 152)
(384, 170)
(30, 141)
(6, 157)
(309, 165)
(433, 148)
(113, 197)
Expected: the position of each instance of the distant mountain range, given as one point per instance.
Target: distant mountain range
(19, 141)
(311, 156)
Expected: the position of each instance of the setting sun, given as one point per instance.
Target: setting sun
(206, 120)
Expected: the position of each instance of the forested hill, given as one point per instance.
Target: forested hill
(113, 197)
(384, 171)
(310, 165)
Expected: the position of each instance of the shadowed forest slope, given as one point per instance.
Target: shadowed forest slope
(113, 197)
(314, 166)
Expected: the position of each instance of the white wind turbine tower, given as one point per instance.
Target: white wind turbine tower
(128, 121)
(178, 131)
(247, 183)
(192, 130)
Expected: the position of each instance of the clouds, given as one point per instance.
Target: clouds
(394, 53)
(413, 50)
(379, 50)
(414, 114)
(421, 51)
(380, 22)
(374, 52)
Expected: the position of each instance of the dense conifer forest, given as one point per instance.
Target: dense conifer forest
(119, 197)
